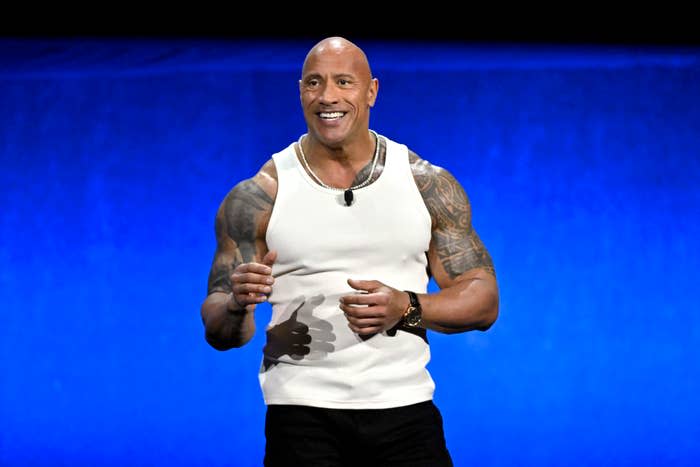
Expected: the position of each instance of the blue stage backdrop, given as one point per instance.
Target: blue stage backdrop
(582, 165)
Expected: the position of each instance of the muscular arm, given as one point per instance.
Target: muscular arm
(458, 260)
(241, 222)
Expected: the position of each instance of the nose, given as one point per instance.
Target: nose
(328, 94)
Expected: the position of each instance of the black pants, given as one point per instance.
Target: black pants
(299, 436)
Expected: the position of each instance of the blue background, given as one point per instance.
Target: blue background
(582, 164)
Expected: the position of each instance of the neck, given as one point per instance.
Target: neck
(336, 167)
(351, 154)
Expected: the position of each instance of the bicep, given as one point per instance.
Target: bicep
(454, 257)
(456, 250)
(226, 257)
(240, 223)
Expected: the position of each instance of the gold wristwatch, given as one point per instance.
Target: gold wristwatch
(413, 316)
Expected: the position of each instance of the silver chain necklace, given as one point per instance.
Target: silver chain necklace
(347, 191)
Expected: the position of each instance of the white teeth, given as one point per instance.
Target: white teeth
(330, 115)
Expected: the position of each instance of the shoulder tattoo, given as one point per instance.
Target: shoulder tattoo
(455, 241)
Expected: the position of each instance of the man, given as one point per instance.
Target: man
(340, 232)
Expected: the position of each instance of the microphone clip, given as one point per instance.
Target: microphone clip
(348, 197)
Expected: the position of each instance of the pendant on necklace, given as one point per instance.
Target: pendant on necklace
(348, 197)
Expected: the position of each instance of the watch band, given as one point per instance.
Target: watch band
(413, 316)
(413, 298)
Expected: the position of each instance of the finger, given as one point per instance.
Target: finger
(369, 286)
(366, 312)
(269, 258)
(250, 288)
(249, 299)
(365, 331)
(364, 299)
(257, 268)
(300, 349)
(364, 322)
(252, 278)
(296, 338)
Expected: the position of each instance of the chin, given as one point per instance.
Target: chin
(332, 135)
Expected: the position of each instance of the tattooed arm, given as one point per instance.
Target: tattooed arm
(458, 260)
(241, 271)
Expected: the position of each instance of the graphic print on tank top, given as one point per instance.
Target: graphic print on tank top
(297, 339)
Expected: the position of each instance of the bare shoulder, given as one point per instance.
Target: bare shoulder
(441, 191)
(455, 246)
(245, 211)
(420, 167)
(426, 173)
(266, 178)
(252, 195)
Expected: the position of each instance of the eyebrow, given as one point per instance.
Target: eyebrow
(336, 76)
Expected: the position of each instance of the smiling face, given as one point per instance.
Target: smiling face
(337, 91)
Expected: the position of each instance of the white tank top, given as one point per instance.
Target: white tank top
(311, 356)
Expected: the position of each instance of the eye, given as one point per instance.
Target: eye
(343, 82)
(312, 83)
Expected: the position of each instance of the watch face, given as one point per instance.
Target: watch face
(413, 317)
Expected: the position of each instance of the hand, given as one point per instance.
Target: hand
(379, 308)
(252, 283)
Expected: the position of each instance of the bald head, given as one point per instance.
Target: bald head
(337, 90)
(338, 48)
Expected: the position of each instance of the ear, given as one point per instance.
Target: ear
(372, 91)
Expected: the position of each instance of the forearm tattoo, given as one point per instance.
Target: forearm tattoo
(455, 242)
(237, 224)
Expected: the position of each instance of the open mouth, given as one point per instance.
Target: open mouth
(331, 115)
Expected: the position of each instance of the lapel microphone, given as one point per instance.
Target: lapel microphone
(348, 197)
